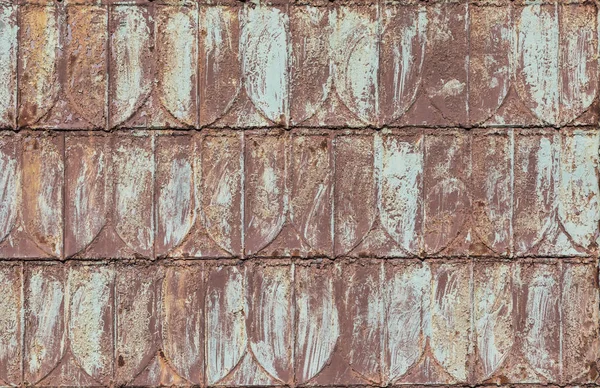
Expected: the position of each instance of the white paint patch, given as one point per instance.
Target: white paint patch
(225, 327)
(264, 56)
(219, 60)
(180, 66)
(10, 179)
(355, 57)
(89, 300)
(407, 63)
(493, 311)
(45, 308)
(400, 191)
(130, 43)
(578, 60)
(578, 206)
(534, 166)
(214, 38)
(404, 339)
(353, 179)
(317, 329)
(450, 319)
(221, 207)
(49, 198)
(10, 338)
(311, 67)
(541, 310)
(89, 211)
(8, 64)
(218, 37)
(364, 307)
(538, 59)
(135, 316)
(134, 171)
(268, 207)
(249, 373)
(452, 88)
(175, 203)
(497, 193)
(312, 230)
(273, 321)
(579, 319)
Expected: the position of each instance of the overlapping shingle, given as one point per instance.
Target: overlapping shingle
(187, 65)
(406, 193)
(367, 322)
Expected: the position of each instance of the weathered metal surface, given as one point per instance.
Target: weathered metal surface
(317, 323)
(415, 193)
(299, 193)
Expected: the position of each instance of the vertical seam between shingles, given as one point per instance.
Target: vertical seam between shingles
(288, 55)
(204, 285)
(472, 337)
(115, 326)
(107, 67)
(561, 378)
(511, 242)
(468, 60)
(294, 324)
(332, 139)
(63, 253)
(197, 65)
(422, 253)
(243, 194)
(17, 94)
(22, 323)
